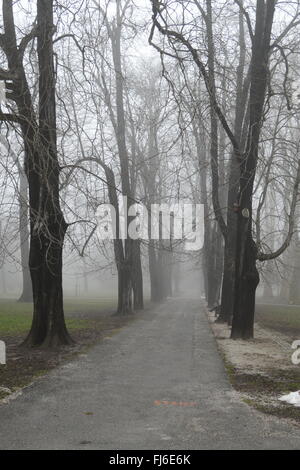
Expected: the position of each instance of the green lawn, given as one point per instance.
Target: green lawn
(280, 317)
(88, 321)
(15, 317)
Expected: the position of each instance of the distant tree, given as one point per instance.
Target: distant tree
(130, 276)
(26, 295)
(245, 159)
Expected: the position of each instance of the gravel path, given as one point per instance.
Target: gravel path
(157, 384)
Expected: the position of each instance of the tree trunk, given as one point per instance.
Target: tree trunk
(227, 296)
(228, 286)
(214, 266)
(126, 269)
(248, 280)
(165, 260)
(125, 291)
(247, 277)
(137, 277)
(47, 224)
(202, 161)
(155, 274)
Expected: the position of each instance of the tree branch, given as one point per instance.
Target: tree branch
(270, 256)
(7, 75)
(9, 117)
(69, 35)
(284, 33)
(171, 34)
(26, 40)
(248, 20)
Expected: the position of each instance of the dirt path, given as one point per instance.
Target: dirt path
(158, 384)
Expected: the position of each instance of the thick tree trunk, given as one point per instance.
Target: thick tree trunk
(211, 282)
(48, 326)
(227, 297)
(126, 268)
(247, 277)
(228, 284)
(155, 274)
(244, 309)
(124, 289)
(165, 268)
(137, 277)
(242, 89)
(47, 224)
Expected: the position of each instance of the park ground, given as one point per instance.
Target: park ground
(261, 370)
(88, 322)
(157, 382)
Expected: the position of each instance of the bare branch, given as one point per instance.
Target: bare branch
(246, 14)
(68, 35)
(292, 222)
(26, 40)
(9, 117)
(200, 9)
(285, 32)
(171, 34)
(7, 75)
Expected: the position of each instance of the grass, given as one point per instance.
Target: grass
(12, 324)
(87, 320)
(15, 317)
(282, 318)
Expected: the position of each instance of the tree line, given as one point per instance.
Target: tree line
(208, 114)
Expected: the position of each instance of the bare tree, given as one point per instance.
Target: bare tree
(246, 253)
(47, 224)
